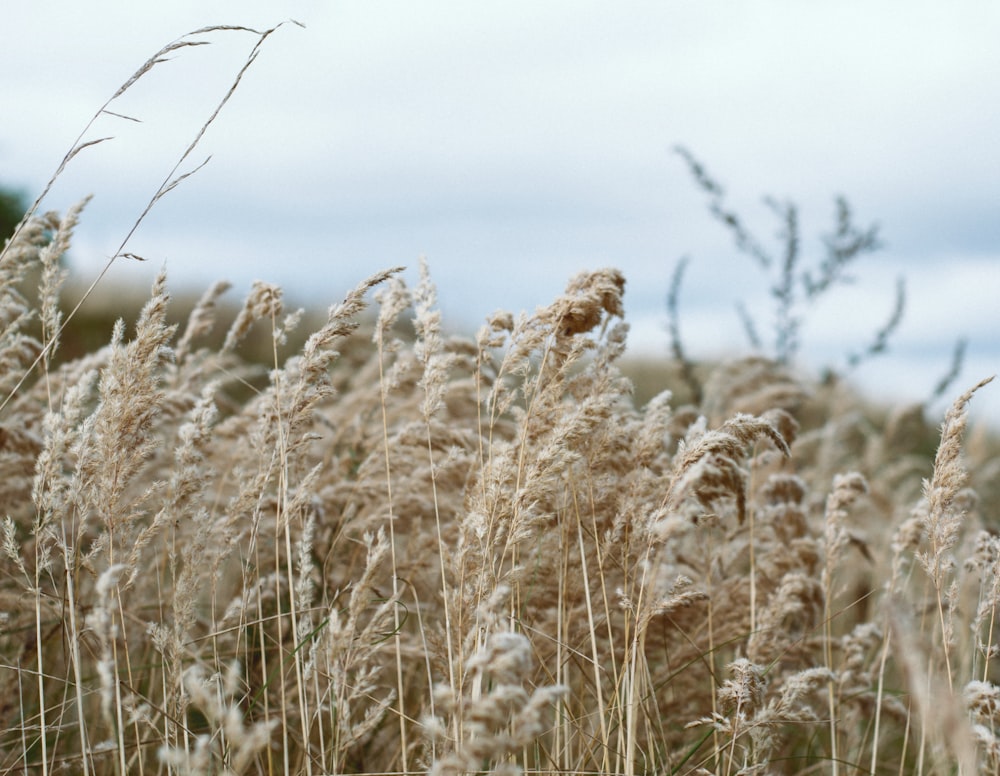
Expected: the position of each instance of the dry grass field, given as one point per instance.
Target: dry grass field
(395, 551)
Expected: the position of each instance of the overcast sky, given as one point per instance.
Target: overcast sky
(516, 143)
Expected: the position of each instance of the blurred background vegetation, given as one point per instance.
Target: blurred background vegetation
(12, 206)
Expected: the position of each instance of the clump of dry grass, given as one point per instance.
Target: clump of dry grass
(462, 555)
(450, 555)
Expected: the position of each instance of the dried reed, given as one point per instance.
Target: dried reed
(430, 554)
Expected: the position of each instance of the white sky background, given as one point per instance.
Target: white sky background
(516, 143)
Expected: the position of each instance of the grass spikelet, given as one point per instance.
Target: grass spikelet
(708, 467)
(120, 437)
(942, 520)
(500, 716)
(53, 276)
(201, 321)
(264, 302)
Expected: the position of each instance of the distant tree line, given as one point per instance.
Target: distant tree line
(12, 207)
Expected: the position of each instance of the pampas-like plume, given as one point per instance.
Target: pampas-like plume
(707, 463)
